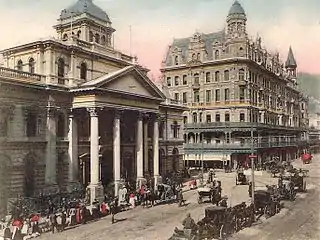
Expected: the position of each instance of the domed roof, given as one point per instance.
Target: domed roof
(236, 9)
(85, 6)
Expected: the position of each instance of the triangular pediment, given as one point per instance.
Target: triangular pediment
(128, 80)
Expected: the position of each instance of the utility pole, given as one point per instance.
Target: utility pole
(252, 156)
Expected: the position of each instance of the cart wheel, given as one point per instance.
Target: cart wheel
(267, 211)
(223, 232)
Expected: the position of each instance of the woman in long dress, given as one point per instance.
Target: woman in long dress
(132, 200)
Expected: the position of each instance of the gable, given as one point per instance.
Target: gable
(132, 84)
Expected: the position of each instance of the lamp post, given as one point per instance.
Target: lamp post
(252, 156)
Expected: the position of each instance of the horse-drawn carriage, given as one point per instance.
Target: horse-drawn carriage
(266, 203)
(213, 193)
(296, 180)
(165, 193)
(241, 178)
(244, 215)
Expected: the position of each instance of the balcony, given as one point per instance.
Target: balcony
(20, 75)
(222, 125)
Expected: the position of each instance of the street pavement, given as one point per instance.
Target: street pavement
(158, 223)
(300, 220)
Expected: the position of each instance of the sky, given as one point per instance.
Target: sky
(155, 23)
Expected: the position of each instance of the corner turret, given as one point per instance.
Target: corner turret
(291, 65)
(236, 21)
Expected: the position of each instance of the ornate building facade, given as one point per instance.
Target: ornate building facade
(73, 108)
(234, 87)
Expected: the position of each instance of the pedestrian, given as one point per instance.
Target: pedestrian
(132, 201)
(113, 209)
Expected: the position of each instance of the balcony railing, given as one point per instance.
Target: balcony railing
(190, 126)
(11, 73)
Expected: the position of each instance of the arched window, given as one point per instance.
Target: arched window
(90, 36)
(31, 65)
(208, 77)
(83, 71)
(103, 40)
(216, 54)
(61, 66)
(65, 37)
(195, 117)
(97, 38)
(20, 65)
(226, 75)
(61, 69)
(176, 60)
(79, 34)
(196, 79)
(217, 76)
(61, 126)
(194, 56)
(241, 75)
(198, 56)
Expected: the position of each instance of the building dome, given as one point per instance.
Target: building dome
(236, 9)
(85, 6)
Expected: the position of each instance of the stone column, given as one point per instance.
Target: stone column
(145, 145)
(49, 64)
(139, 149)
(72, 70)
(73, 149)
(155, 147)
(116, 152)
(96, 189)
(51, 151)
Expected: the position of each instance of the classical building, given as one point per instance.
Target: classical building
(234, 87)
(73, 108)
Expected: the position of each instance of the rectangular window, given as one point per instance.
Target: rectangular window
(242, 117)
(208, 96)
(241, 94)
(196, 96)
(184, 97)
(227, 94)
(217, 95)
(184, 80)
(217, 117)
(31, 122)
(176, 96)
(169, 81)
(227, 117)
(176, 80)
(208, 118)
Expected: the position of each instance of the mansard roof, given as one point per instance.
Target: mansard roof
(208, 38)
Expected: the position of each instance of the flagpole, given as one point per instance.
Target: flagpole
(130, 40)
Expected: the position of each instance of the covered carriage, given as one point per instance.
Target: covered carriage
(212, 193)
(241, 178)
(165, 193)
(266, 203)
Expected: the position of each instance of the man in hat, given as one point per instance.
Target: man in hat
(189, 223)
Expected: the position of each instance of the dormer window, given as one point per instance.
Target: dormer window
(65, 37)
(20, 65)
(97, 38)
(176, 60)
(31, 65)
(216, 54)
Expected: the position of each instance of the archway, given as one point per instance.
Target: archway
(175, 160)
(5, 171)
(29, 175)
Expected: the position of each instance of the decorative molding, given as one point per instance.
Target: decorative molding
(93, 111)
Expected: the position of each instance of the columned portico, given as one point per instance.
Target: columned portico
(116, 152)
(73, 173)
(96, 189)
(139, 148)
(156, 151)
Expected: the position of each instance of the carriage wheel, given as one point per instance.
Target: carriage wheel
(224, 231)
(267, 211)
